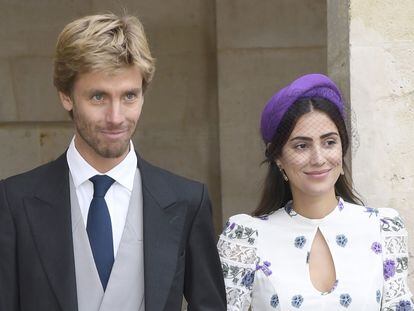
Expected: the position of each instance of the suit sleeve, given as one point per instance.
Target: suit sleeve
(8, 263)
(204, 285)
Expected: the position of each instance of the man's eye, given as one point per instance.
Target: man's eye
(130, 96)
(97, 97)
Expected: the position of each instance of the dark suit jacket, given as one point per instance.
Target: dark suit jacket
(37, 269)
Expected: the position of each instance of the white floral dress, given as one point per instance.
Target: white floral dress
(265, 261)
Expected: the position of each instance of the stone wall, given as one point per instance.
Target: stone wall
(260, 48)
(217, 64)
(382, 96)
(375, 64)
(179, 126)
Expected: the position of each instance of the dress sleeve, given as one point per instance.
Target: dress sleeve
(237, 250)
(396, 294)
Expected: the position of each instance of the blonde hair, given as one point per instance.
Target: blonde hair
(101, 42)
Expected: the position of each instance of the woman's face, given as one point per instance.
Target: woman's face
(312, 156)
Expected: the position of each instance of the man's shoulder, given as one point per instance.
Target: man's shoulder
(30, 179)
(166, 175)
(157, 179)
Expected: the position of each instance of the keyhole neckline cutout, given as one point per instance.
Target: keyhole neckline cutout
(321, 264)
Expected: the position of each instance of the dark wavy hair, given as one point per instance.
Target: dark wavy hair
(276, 191)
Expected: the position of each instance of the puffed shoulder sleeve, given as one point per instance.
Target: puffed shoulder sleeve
(396, 294)
(237, 250)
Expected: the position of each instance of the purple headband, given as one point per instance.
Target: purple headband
(307, 86)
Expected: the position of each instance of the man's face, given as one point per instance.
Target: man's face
(106, 108)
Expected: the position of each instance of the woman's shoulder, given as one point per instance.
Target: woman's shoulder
(388, 218)
(380, 212)
(242, 219)
(391, 221)
(387, 212)
(241, 227)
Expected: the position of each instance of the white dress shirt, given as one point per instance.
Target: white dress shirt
(118, 196)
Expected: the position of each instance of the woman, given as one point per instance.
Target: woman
(310, 244)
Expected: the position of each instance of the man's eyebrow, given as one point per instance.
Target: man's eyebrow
(100, 91)
(305, 138)
(133, 90)
(95, 91)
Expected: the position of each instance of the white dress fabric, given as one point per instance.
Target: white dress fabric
(265, 261)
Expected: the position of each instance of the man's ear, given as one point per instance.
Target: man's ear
(66, 101)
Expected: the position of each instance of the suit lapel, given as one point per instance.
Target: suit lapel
(163, 225)
(49, 217)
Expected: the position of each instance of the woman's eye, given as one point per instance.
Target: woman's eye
(300, 146)
(331, 142)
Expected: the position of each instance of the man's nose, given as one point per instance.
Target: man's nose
(114, 113)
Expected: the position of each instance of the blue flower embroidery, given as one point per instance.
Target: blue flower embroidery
(376, 247)
(371, 211)
(300, 241)
(248, 279)
(340, 205)
(341, 240)
(297, 301)
(378, 296)
(389, 268)
(289, 209)
(265, 268)
(345, 300)
(274, 301)
(404, 305)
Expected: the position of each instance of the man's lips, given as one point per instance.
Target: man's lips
(114, 133)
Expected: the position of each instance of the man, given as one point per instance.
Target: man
(99, 228)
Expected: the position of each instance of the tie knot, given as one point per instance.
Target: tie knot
(101, 184)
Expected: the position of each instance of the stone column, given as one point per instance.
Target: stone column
(371, 55)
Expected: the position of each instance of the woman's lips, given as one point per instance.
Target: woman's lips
(318, 173)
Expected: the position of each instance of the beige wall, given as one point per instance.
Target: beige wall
(260, 48)
(217, 64)
(179, 126)
(375, 60)
(382, 96)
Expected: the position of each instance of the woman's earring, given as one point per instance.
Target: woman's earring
(282, 171)
(342, 171)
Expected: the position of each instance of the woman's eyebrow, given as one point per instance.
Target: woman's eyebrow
(306, 138)
(329, 134)
(301, 138)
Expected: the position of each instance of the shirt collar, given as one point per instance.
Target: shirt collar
(81, 171)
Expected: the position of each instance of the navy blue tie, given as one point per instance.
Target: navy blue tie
(99, 228)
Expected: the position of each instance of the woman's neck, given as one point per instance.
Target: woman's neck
(314, 207)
